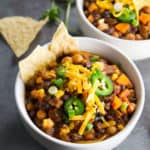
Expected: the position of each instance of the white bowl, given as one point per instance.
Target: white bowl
(111, 53)
(136, 50)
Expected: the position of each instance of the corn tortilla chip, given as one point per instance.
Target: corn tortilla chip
(19, 32)
(38, 59)
(62, 42)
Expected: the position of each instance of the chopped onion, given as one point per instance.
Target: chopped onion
(118, 6)
(52, 90)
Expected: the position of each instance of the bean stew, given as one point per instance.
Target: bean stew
(81, 98)
(119, 18)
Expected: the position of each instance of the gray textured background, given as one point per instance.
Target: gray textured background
(13, 136)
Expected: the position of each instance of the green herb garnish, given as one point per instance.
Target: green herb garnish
(53, 13)
(128, 16)
(94, 58)
(89, 126)
(61, 71)
(58, 82)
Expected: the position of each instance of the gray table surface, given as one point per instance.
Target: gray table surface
(13, 136)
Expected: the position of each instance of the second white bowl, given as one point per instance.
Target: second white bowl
(136, 50)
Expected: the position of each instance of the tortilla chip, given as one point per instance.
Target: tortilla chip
(62, 42)
(19, 32)
(38, 59)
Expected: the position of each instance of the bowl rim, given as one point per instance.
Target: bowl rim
(90, 25)
(126, 131)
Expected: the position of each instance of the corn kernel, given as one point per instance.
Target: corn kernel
(112, 123)
(105, 125)
(91, 18)
(117, 71)
(64, 130)
(71, 125)
(39, 80)
(47, 124)
(41, 114)
(41, 93)
(92, 7)
(97, 65)
(59, 93)
(86, 85)
(114, 76)
(120, 126)
(104, 4)
(38, 94)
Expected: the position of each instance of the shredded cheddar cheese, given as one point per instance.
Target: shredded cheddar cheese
(78, 117)
(100, 105)
(78, 77)
(92, 103)
(84, 124)
(108, 4)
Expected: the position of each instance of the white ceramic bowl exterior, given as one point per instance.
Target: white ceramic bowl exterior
(136, 50)
(109, 52)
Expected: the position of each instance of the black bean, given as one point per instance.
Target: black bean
(102, 131)
(98, 126)
(133, 99)
(111, 21)
(125, 118)
(43, 105)
(38, 122)
(120, 121)
(117, 89)
(108, 106)
(46, 85)
(65, 97)
(109, 98)
(98, 134)
(135, 29)
(30, 84)
(86, 4)
(50, 131)
(123, 87)
(95, 23)
(110, 30)
(109, 117)
(96, 15)
(88, 64)
(75, 137)
(32, 113)
(97, 118)
(86, 13)
(106, 14)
